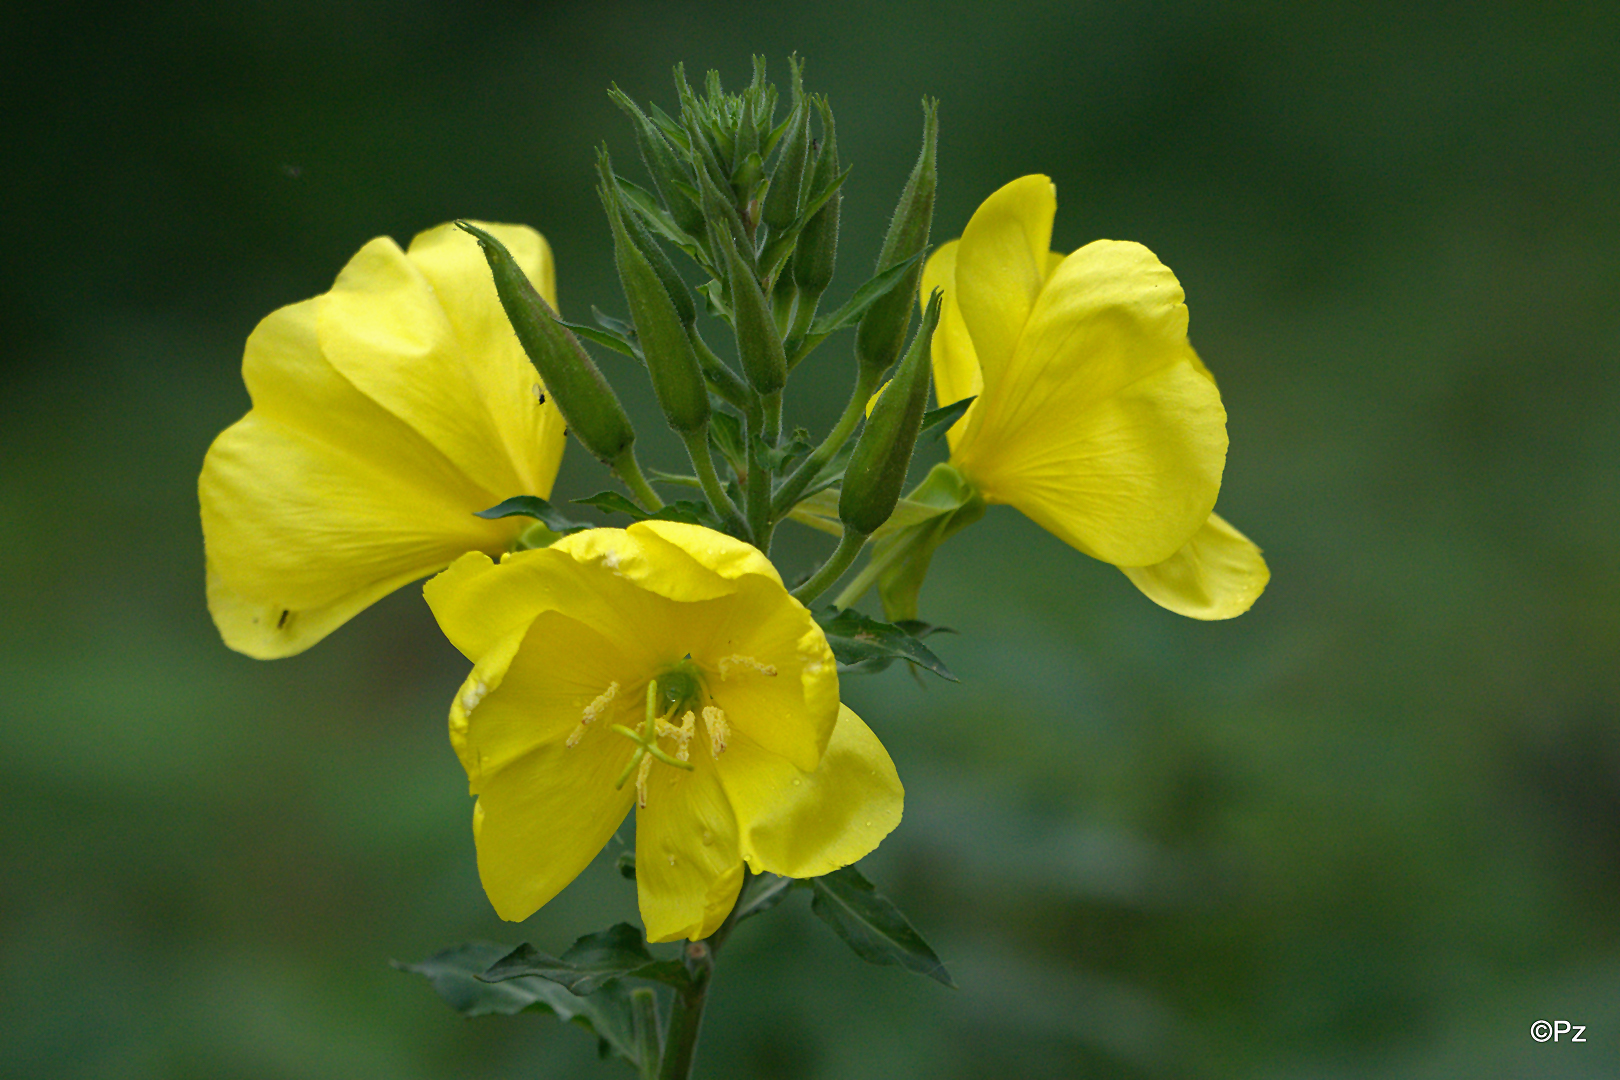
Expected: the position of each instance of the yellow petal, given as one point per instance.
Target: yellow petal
(460, 379)
(956, 364)
(1001, 266)
(660, 592)
(545, 808)
(688, 871)
(320, 501)
(806, 824)
(1104, 430)
(1218, 574)
(267, 630)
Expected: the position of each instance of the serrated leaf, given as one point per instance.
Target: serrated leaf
(453, 974)
(871, 925)
(590, 963)
(537, 508)
(613, 503)
(861, 643)
(648, 208)
(944, 416)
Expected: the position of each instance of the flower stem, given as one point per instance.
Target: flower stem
(759, 488)
(686, 1013)
(629, 470)
(788, 494)
(697, 445)
(849, 545)
(644, 1018)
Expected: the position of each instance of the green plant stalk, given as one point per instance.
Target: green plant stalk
(644, 1017)
(721, 379)
(628, 469)
(759, 483)
(849, 546)
(697, 445)
(866, 382)
(772, 405)
(686, 1013)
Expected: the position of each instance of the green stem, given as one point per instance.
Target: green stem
(773, 418)
(718, 374)
(788, 495)
(686, 1014)
(629, 470)
(849, 546)
(644, 1021)
(697, 445)
(758, 496)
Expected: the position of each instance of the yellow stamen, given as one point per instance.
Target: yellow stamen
(641, 781)
(683, 734)
(731, 663)
(592, 711)
(714, 722)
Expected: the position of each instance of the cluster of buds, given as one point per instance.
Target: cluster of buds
(754, 203)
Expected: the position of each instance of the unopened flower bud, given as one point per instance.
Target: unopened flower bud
(588, 404)
(782, 199)
(665, 346)
(672, 179)
(877, 467)
(882, 330)
(817, 250)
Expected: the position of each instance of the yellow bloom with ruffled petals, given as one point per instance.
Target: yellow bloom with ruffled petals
(386, 413)
(662, 668)
(1094, 416)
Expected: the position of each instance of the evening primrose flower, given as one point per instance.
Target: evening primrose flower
(386, 413)
(1093, 415)
(664, 668)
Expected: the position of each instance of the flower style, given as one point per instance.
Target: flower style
(386, 413)
(662, 667)
(1093, 415)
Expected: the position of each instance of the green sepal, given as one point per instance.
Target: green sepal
(590, 963)
(588, 404)
(539, 509)
(872, 925)
(453, 974)
(857, 639)
(683, 510)
(882, 332)
(877, 469)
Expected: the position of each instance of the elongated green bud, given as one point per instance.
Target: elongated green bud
(782, 199)
(663, 165)
(674, 285)
(817, 251)
(588, 404)
(759, 342)
(882, 331)
(877, 467)
(671, 360)
(725, 224)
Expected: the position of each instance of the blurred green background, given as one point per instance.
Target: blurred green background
(1371, 828)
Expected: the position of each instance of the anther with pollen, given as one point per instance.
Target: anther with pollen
(736, 661)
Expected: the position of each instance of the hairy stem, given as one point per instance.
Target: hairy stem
(849, 545)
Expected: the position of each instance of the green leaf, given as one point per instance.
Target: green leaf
(870, 924)
(763, 892)
(713, 294)
(647, 207)
(537, 508)
(725, 432)
(944, 416)
(692, 513)
(774, 458)
(779, 247)
(862, 644)
(590, 963)
(606, 338)
(683, 479)
(453, 974)
(864, 297)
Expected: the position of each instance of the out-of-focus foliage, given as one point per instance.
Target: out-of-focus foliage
(1372, 827)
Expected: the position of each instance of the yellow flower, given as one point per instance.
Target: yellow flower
(386, 413)
(1093, 414)
(662, 667)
